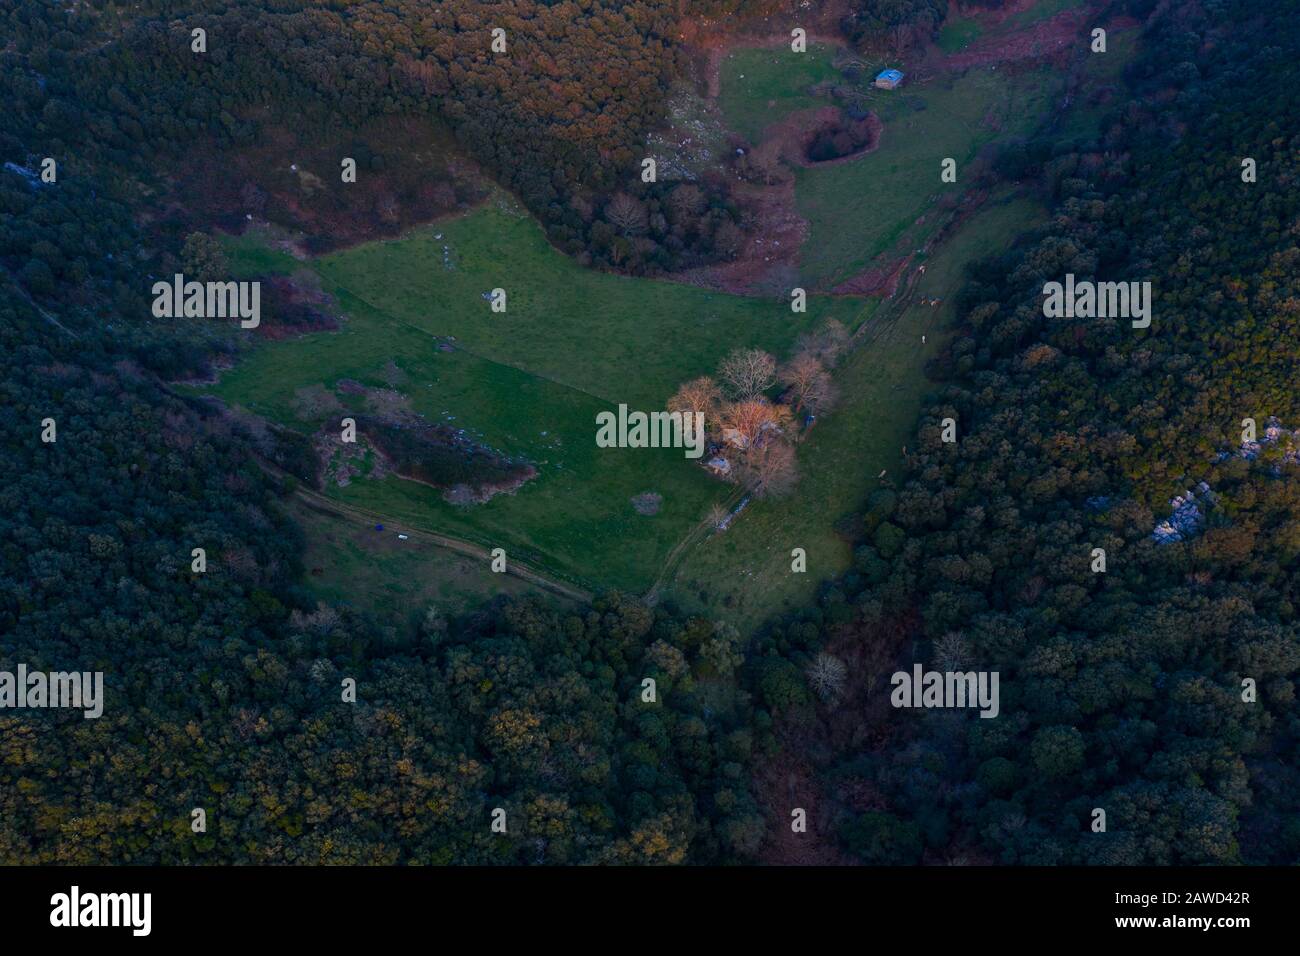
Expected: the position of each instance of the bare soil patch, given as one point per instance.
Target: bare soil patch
(647, 503)
(295, 305)
(881, 280)
(1045, 40)
(769, 262)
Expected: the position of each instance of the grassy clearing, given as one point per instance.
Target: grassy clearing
(1042, 10)
(745, 571)
(574, 342)
(858, 210)
(582, 329)
(528, 382)
(763, 85)
(957, 34)
(349, 562)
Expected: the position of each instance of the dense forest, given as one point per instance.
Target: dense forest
(226, 688)
(893, 23)
(1122, 690)
(558, 111)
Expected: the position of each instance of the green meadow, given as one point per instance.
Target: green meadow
(528, 382)
(574, 342)
(959, 33)
(348, 562)
(763, 85)
(859, 209)
(745, 571)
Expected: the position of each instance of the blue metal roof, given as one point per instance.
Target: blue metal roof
(894, 75)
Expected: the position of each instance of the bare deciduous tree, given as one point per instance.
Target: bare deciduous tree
(747, 373)
(826, 676)
(950, 651)
(768, 470)
(686, 201)
(728, 239)
(323, 620)
(698, 395)
(582, 206)
(763, 164)
(902, 37)
(626, 214)
(827, 344)
(387, 208)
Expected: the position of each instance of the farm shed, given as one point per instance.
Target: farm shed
(889, 79)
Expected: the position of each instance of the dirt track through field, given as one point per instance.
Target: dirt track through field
(319, 502)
